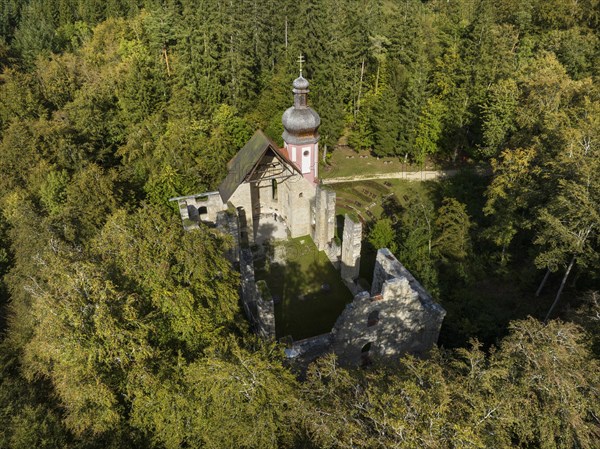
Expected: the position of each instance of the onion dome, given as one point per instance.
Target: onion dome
(300, 83)
(300, 122)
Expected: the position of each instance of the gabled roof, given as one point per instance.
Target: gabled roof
(243, 163)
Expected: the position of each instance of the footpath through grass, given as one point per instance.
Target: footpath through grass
(308, 291)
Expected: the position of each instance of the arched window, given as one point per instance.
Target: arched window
(300, 195)
(366, 348)
(202, 211)
(373, 318)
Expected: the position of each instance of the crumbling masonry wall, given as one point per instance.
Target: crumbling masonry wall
(228, 223)
(296, 196)
(351, 243)
(260, 311)
(200, 207)
(397, 317)
(324, 218)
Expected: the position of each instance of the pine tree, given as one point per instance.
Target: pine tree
(429, 130)
(385, 115)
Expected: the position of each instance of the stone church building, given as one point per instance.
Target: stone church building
(273, 194)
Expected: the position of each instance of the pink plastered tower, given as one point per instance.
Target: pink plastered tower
(300, 135)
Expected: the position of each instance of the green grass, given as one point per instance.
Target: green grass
(345, 161)
(349, 192)
(304, 309)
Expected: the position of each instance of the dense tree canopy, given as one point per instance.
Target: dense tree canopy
(118, 329)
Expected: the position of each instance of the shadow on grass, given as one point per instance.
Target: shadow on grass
(308, 291)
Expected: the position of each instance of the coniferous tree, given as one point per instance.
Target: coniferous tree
(385, 117)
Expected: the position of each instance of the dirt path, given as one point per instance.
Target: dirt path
(426, 175)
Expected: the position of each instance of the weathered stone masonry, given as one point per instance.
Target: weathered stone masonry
(352, 238)
(397, 317)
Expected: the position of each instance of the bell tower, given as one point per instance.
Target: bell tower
(300, 135)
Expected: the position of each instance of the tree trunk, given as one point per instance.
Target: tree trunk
(539, 290)
(362, 72)
(562, 286)
(166, 56)
(428, 229)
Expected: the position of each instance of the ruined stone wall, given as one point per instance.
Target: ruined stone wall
(387, 267)
(188, 222)
(213, 204)
(351, 244)
(260, 311)
(228, 223)
(334, 253)
(242, 198)
(266, 316)
(324, 217)
(308, 350)
(201, 207)
(298, 194)
(398, 317)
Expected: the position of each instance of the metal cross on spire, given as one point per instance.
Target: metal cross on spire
(300, 61)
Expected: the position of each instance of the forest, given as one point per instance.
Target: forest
(120, 330)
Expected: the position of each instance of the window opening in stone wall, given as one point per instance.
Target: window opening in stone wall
(373, 318)
(300, 195)
(365, 355)
(202, 211)
(274, 188)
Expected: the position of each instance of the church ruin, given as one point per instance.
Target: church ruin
(273, 195)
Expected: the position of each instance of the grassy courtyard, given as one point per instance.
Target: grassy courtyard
(308, 291)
